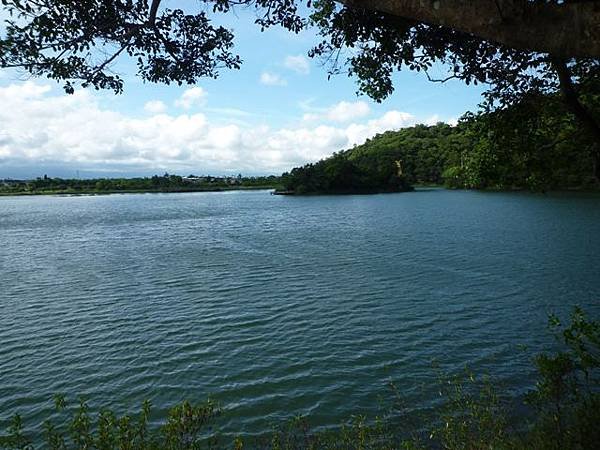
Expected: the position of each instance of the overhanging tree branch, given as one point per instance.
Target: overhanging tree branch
(564, 30)
(153, 12)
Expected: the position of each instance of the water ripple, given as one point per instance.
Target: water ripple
(280, 306)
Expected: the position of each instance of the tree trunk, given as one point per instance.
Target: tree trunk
(582, 114)
(565, 30)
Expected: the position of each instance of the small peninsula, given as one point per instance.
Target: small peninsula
(338, 175)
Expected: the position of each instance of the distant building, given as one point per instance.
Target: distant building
(194, 179)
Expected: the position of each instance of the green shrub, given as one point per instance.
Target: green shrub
(565, 401)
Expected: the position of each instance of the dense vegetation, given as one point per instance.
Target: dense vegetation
(564, 412)
(157, 183)
(340, 175)
(534, 145)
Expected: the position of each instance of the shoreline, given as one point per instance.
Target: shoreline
(339, 193)
(72, 192)
(275, 191)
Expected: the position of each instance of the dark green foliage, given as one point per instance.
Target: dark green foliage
(565, 415)
(77, 41)
(473, 417)
(535, 144)
(423, 151)
(567, 393)
(186, 427)
(341, 175)
(15, 437)
(372, 46)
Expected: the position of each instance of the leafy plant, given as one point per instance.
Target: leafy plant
(565, 402)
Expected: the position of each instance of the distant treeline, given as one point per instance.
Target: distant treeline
(156, 183)
(534, 145)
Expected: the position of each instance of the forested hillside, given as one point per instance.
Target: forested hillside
(534, 145)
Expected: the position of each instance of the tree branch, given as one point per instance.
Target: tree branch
(561, 29)
(109, 60)
(585, 117)
(439, 80)
(153, 12)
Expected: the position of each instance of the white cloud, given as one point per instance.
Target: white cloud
(27, 90)
(340, 112)
(346, 111)
(298, 64)
(272, 79)
(39, 126)
(391, 120)
(191, 97)
(232, 112)
(155, 107)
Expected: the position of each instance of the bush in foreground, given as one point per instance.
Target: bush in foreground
(565, 402)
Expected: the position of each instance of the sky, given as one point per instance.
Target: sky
(277, 112)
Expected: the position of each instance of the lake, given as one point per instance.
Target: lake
(277, 306)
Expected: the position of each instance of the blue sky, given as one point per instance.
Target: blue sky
(279, 110)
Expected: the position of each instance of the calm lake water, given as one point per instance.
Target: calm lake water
(278, 306)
